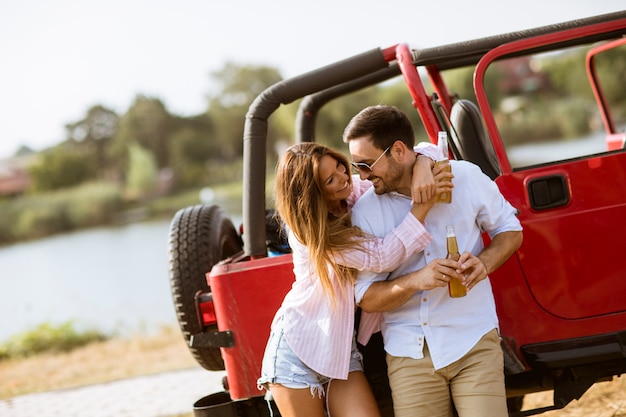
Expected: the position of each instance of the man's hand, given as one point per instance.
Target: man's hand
(389, 295)
(472, 269)
(476, 268)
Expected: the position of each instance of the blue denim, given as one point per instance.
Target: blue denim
(282, 366)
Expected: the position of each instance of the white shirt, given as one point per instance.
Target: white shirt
(450, 326)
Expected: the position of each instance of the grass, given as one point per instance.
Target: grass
(49, 338)
(97, 362)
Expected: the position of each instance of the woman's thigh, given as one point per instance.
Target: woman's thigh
(297, 402)
(351, 397)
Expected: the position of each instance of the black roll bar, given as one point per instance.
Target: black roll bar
(255, 133)
(311, 104)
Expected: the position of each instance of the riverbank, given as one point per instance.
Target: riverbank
(96, 363)
(120, 359)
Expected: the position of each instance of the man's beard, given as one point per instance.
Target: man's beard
(390, 181)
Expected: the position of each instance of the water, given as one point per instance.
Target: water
(111, 279)
(538, 153)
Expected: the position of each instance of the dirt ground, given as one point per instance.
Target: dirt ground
(604, 399)
(166, 351)
(96, 363)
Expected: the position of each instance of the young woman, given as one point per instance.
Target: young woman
(312, 344)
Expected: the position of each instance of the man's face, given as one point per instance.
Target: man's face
(384, 173)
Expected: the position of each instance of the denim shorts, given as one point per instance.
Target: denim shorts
(282, 366)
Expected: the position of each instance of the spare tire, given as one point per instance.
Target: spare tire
(199, 237)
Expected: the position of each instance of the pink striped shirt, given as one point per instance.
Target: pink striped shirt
(319, 332)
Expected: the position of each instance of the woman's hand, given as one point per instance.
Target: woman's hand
(423, 185)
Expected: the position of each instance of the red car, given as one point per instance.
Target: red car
(561, 298)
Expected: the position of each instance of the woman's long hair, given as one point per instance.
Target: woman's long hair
(302, 206)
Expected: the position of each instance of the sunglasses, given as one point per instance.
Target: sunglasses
(367, 168)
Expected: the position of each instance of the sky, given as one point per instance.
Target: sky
(59, 58)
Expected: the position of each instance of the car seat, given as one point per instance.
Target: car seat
(470, 138)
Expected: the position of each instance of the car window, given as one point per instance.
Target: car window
(545, 108)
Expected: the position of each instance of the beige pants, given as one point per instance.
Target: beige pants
(475, 383)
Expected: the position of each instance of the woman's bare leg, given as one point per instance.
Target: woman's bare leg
(297, 402)
(352, 397)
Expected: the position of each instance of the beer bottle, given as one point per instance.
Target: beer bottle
(456, 288)
(442, 157)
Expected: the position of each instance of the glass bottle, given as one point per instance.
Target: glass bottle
(456, 288)
(442, 157)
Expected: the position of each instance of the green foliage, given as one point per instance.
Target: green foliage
(44, 214)
(189, 156)
(238, 84)
(147, 123)
(59, 168)
(142, 172)
(567, 74)
(93, 134)
(99, 124)
(220, 172)
(49, 338)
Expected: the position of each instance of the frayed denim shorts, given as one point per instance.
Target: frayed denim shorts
(282, 366)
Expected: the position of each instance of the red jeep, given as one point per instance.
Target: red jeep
(561, 298)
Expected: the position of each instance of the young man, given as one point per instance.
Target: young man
(442, 352)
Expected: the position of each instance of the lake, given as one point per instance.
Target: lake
(112, 279)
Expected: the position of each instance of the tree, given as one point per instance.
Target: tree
(99, 124)
(190, 149)
(141, 179)
(60, 167)
(93, 134)
(236, 87)
(148, 124)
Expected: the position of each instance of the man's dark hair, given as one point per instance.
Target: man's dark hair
(384, 124)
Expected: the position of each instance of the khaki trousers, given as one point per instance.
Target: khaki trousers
(475, 383)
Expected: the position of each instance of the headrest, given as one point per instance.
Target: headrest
(471, 138)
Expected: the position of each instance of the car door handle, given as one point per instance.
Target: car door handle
(548, 192)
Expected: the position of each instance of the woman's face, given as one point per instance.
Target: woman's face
(335, 179)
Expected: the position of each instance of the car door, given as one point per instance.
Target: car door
(563, 171)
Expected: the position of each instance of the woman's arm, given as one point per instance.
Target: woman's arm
(387, 253)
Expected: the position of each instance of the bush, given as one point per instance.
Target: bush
(48, 338)
(545, 121)
(44, 214)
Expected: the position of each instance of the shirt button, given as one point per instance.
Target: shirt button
(425, 299)
(425, 324)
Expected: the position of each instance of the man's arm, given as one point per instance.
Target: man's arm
(476, 268)
(389, 295)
